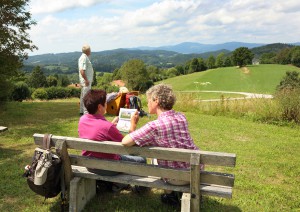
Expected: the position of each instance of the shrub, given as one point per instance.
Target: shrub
(108, 88)
(289, 100)
(288, 96)
(73, 92)
(40, 93)
(57, 93)
(20, 92)
(62, 93)
(290, 81)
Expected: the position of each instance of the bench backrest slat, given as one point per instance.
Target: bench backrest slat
(149, 170)
(129, 167)
(209, 158)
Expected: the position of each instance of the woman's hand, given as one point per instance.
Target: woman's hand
(115, 120)
(134, 120)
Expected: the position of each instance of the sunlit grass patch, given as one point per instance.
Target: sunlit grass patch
(267, 169)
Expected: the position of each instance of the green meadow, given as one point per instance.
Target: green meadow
(268, 157)
(254, 79)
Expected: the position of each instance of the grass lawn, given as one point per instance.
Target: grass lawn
(267, 170)
(254, 79)
(199, 95)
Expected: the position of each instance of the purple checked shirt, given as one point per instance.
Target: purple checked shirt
(169, 130)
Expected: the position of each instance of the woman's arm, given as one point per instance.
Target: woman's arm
(115, 120)
(128, 141)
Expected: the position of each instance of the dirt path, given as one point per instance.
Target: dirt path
(247, 95)
(245, 70)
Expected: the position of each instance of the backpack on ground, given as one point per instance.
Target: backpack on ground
(134, 102)
(44, 175)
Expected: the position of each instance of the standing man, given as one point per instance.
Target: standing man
(86, 74)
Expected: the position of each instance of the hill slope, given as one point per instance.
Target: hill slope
(275, 48)
(255, 79)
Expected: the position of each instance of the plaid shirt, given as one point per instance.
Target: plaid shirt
(169, 130)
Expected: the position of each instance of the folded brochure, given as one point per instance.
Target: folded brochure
(124, 119)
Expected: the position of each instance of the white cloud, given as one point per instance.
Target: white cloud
(164, 22)
(50, 6)
(290, 6)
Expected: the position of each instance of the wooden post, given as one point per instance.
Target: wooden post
(82, 191)
(195, 182)
(186, 202)
(61, 148)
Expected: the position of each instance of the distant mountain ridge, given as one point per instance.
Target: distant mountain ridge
(164, 57)
(191, 47)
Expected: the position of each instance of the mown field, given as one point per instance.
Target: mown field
(254, 79)
(267, 170)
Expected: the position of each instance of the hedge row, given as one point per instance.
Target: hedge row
(21, 91)
(55, 93)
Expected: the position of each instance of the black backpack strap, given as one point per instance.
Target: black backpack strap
(131, 102)
(139, 103)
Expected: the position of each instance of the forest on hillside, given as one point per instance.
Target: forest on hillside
(108, 61)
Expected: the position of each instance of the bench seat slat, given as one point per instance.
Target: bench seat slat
(154, 182)
(209, 158)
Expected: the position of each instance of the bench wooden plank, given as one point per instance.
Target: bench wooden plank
(61, 148)
(209, 158)
(130, 167)
(217, 178)
(149, 170)
(218, 191)
(201, 182)
(194, 183)
(186, 202)
(154, 182)
(82, 190)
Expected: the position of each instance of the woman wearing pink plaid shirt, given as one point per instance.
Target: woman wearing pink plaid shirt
(170, 130)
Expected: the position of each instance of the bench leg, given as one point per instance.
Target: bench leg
(186, 202)
(81, 191)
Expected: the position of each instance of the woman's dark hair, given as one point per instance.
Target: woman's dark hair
(93, 98)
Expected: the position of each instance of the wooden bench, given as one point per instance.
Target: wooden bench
(81, 183)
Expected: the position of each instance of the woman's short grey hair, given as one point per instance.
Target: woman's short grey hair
(86, 48)
(164, 94)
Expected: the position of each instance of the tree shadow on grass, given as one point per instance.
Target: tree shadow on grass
(57, 206)
(7, 153)
(14, 188)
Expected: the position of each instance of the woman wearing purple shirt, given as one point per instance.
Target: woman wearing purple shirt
(95, 127)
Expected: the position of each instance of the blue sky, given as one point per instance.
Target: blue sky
(65, 25)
